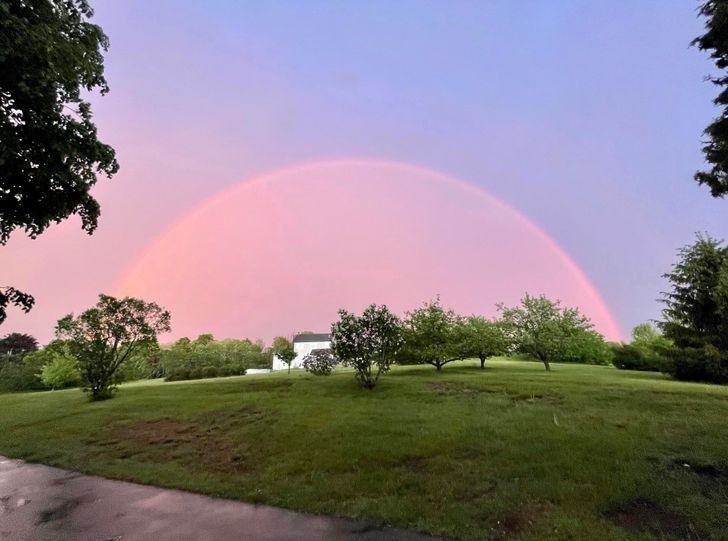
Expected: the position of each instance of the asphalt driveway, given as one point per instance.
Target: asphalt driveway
(41, 503)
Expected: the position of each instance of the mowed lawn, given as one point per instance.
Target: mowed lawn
(509, 452)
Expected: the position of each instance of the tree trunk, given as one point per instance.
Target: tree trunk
(482, 362)
(547, 365)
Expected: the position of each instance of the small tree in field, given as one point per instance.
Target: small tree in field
(432, 336)
(103, 337)
(542, 329)
(283, 349)
(368, 342)
(482, 338)
(61, 372)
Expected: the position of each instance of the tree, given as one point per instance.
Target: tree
(368, 343)
(61, 372)
(283, 349)
(320, 362)
(586, 346)
(542, 329)
(482, 338)
(17, 344)
(649, 350)
(650, 340)
(715, 148)
(10, 295)
(695, 316)
(103, 337)
(204, 339)
(431, 336)
(696, 307)
(50, 154)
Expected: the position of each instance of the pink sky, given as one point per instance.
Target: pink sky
(282, 252)
(546, 108)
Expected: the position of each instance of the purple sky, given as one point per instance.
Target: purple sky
(584, 116)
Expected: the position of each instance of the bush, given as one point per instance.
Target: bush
(699, 364)
(61, 372)
(631, 357)
(320, 362)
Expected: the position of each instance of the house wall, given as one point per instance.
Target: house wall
(302, 349)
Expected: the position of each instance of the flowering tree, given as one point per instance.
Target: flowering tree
(368, 342)
(320, 362)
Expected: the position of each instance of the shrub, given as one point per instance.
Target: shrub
(61, 372)
(320, 362)
(647, 352)
(632, 357)
(699, 364)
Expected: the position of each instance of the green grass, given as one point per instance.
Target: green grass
(511, 452)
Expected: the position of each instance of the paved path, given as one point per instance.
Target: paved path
(41, 503)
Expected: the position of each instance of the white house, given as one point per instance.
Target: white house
(303, 344)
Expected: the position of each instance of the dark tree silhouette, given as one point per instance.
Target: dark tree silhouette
(50, 154)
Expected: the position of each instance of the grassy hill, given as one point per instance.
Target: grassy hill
(510, 452)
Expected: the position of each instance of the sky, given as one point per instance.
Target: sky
(583, 117)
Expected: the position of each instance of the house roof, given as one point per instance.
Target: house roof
(312, 337)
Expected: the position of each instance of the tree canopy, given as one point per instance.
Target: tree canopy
(482, 338)
(50, 154)
(103, 337)
(368, 343)
(715, 147)
(543, 329)
(17, 343)
(431, 336)
(696, 306)
(283, 349)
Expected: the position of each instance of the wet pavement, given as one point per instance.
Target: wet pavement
(41, 503)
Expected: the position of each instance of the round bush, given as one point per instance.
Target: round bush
(320, 362)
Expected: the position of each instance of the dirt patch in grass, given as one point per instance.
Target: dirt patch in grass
(643, 515)
(451, 387)
(200, 444)
(712, 471)
(458, 387)
(414, 464)
(519, 519)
